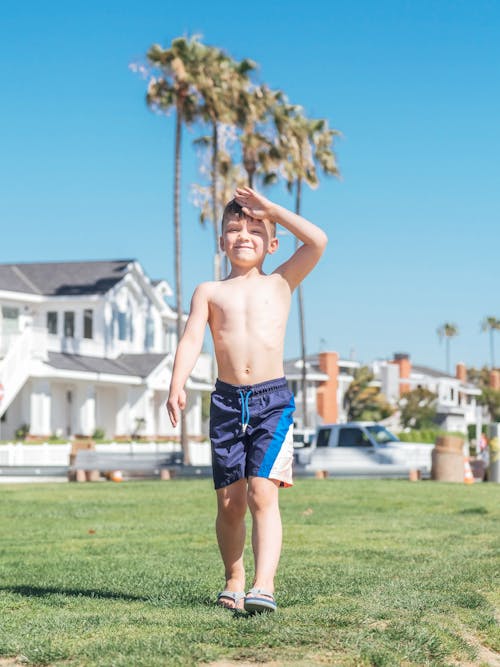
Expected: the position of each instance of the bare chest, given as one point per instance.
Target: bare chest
(250, 306)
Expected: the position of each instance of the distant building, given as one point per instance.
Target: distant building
(327, 379)
(456, 398)
(89, 345)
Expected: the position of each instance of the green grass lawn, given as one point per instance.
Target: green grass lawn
(372, 573)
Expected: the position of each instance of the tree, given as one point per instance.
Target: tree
(302, 145)
(363, 399)
(491, 324)
(418, 408)
(489, 396)
(229, 176)
(216, 85)
(175, 88)
(447, 331)
(253, 107)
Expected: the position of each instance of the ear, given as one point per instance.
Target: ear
(221, 243)
(273, 245)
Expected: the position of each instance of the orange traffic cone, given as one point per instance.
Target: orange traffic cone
(468, 476)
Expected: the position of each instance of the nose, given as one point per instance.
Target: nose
(243, 232)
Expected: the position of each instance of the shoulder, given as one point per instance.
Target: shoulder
(202, 296)
(204, 290)
(279, 279)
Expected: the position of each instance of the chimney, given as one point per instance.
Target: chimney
(404, 363)
(495, 380)
(461, 372)
(326, 394)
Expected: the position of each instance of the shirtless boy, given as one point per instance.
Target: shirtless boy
(251, 409)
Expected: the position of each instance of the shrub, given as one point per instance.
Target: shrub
(425, 435)
(22, 431)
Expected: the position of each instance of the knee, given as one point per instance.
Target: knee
(232, 509)
(259, 499)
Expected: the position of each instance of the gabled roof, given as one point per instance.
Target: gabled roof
(126, 364)
(63, 278)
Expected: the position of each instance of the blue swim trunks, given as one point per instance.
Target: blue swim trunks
(251, 429)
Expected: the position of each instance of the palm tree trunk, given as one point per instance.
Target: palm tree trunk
(302, 332)
(177, 246)
(215, 216)
(448, 354)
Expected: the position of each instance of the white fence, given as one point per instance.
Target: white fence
(17, 454)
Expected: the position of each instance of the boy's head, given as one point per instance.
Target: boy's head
(234, 210)
(246, 240)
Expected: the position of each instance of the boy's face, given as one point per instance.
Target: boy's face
(246, 241)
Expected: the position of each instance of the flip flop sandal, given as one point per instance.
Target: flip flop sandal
(229, 595)
(255, 603)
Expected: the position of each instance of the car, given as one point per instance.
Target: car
(363, 449)
(303, 437)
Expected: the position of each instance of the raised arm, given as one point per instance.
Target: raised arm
(314, 239)
(188, 350)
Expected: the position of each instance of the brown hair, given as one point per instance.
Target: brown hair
(234, 210)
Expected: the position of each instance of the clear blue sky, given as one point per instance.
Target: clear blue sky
(86, 169)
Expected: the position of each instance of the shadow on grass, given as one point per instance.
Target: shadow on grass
(185, 599)
(39, 592)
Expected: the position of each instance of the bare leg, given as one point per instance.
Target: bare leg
(230, 529)
(266, 529)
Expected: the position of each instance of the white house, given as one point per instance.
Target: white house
(86, 346)
(456, 398)
(328, 377)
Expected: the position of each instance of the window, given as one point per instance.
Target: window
(10, 318)
(323, 437)
(353, 437)
(381, 434)
(52, 322)
(88, 317)
(150, 333)
(122, 326)
(69, 324)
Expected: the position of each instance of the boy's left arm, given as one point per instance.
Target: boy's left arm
(314, 239)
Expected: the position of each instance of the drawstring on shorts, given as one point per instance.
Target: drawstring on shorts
(245, 410)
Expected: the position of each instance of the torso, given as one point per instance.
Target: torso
(247, 318)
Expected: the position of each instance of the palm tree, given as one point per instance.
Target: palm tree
(491, 324)
(230, 175)
(253, 106)
(447, 331)
(216, 85)
(179, 67)
(303, 145)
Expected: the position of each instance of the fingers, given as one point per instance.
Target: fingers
(245, 190)
(255, 213)
(174, 404)
(173, 414)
